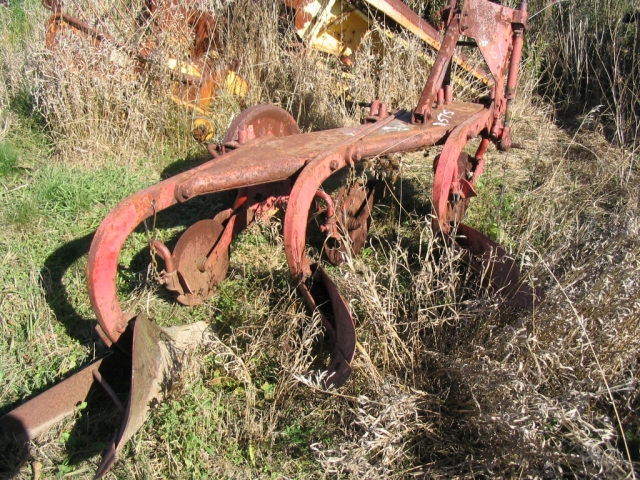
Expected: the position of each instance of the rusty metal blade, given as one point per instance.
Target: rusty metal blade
(354, 206)
(154, 363)
(323, 294)
(500, 270)
(190, 255)
(39, 414)
(146, 377)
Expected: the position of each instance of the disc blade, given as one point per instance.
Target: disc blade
(190, 253)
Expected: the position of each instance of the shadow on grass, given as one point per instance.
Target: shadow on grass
(52, 273)
(60, 260)
(184, 164)
(95, 421)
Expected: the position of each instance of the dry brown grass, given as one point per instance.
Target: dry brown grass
(588, 64)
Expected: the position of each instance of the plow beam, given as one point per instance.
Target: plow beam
(260, 161)
(38, 415)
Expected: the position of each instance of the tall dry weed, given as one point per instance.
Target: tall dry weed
(99, 102)
(504, 393)
(587, 56)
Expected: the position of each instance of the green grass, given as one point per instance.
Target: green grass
(18, 22)
(26, 145)
(60, 194)
(56, 206)
(9, 156)
(495, 207)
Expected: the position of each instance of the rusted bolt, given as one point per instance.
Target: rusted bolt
(471, 136)
(334, 165)
(183, 193)
(375, 108)
(353, 154)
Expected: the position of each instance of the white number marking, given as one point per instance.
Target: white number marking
(444, 118)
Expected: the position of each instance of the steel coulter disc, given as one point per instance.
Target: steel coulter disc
(190, 255)
(265, 120)
(352, 209)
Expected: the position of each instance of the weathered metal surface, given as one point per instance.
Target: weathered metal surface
(319, 292)
(148, 372)
(190, 258)
(433, 88)
(261, 120)
(155, 358)
(457, 207)
(353, 210)
(490, 24)
(38, 415)
(302, 271)
(403, 15)
(269, 158)
(259, 161)
(317, 170)
(332, 27)
(446, 182)
(256, 162)
(496, 267)
(200, 259)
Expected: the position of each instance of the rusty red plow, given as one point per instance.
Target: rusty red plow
(271, 164)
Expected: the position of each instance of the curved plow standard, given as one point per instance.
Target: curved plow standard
(271, 164)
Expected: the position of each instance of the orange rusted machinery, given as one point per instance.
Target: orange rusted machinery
(340, 28)
(188, 37)
(270, 163)
(182, 33)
